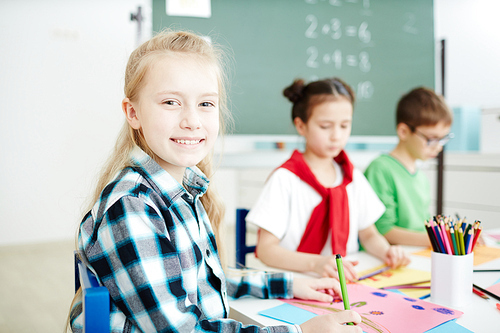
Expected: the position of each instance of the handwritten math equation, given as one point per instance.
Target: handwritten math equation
(326, 35)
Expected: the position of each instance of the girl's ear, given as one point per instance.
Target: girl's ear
(300, 126)
(403, 131)
(130, 113)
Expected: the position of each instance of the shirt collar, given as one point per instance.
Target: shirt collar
(194, 181)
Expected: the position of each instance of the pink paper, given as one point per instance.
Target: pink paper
(495, 289)
(385, 311)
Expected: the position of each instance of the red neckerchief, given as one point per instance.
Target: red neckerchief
(332, 213)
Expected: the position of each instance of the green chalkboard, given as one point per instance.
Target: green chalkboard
(382, 48)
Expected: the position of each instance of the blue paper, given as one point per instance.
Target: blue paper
(449, 327)
(288, 313)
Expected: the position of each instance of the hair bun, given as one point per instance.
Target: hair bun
(295, 91)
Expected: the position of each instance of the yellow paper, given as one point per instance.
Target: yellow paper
(398, 276)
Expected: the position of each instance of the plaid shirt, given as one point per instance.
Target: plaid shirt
(149, 241)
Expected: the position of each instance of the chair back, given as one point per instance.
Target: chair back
(95, 299)
(241, 238)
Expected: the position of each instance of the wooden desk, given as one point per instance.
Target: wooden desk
(479, 316)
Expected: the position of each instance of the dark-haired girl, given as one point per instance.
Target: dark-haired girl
(317, 204)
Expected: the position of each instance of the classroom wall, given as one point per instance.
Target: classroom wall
(61, 83)
(61, 80)
(470, 28)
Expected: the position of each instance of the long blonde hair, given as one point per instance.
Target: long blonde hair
(140, 61)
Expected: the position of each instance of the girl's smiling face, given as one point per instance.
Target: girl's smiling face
(177, 111)
(328, 128)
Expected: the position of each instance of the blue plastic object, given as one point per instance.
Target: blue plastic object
(95, 300)
(241, 232)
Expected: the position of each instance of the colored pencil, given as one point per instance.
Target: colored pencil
(452, 237)
(457, 239)
(345, 297)
(486, 270)
(476, 236)
(489, 293)
(442, 249)
(454, 241)
(434, 245)
(425, 296)
(463, 225)
(467, 228)
(445, 238)
(448, 231)
(479, 293)
(461, 239)
(378, 271)
(409, 286)
(469, 240)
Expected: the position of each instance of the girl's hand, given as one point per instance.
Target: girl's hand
(321, 290)
(326, 266)
(333, 323)
(396, 257)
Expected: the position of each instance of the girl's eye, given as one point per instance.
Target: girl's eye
(170, 102)
(206, 104)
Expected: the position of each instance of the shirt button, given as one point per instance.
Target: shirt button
(208, 253)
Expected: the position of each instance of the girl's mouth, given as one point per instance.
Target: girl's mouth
(187, 142)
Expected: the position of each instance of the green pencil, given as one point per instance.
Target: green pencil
(454, 241)
(462, 243)
(340, 269)
(459, 248)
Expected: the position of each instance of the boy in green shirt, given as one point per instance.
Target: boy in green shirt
(423, 126)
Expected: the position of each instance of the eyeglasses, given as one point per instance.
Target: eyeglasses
(437, 141)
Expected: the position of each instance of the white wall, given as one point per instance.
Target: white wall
(61, 83)
(471, 29)
(61, 79)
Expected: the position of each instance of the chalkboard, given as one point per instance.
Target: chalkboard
(382, 48)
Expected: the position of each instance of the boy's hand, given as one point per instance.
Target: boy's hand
(326, 266)
(396, 257)
(321, 290)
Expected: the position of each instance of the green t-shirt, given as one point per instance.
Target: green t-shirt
(406, 196)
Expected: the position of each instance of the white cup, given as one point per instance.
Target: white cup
(451, 279)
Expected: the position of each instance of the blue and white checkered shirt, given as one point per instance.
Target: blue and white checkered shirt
(149, 241)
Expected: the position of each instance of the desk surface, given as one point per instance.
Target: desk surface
(480, 315)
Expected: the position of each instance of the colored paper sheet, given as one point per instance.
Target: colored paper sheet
(383, 311)
(449, 327)
(288, 313)
(399, 276)
(495, 289)
(482, 254)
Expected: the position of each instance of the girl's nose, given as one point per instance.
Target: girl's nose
(190, 119)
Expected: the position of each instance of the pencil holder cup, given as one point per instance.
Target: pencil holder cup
(451, 279)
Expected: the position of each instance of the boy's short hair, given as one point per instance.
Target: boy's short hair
(422, 107)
